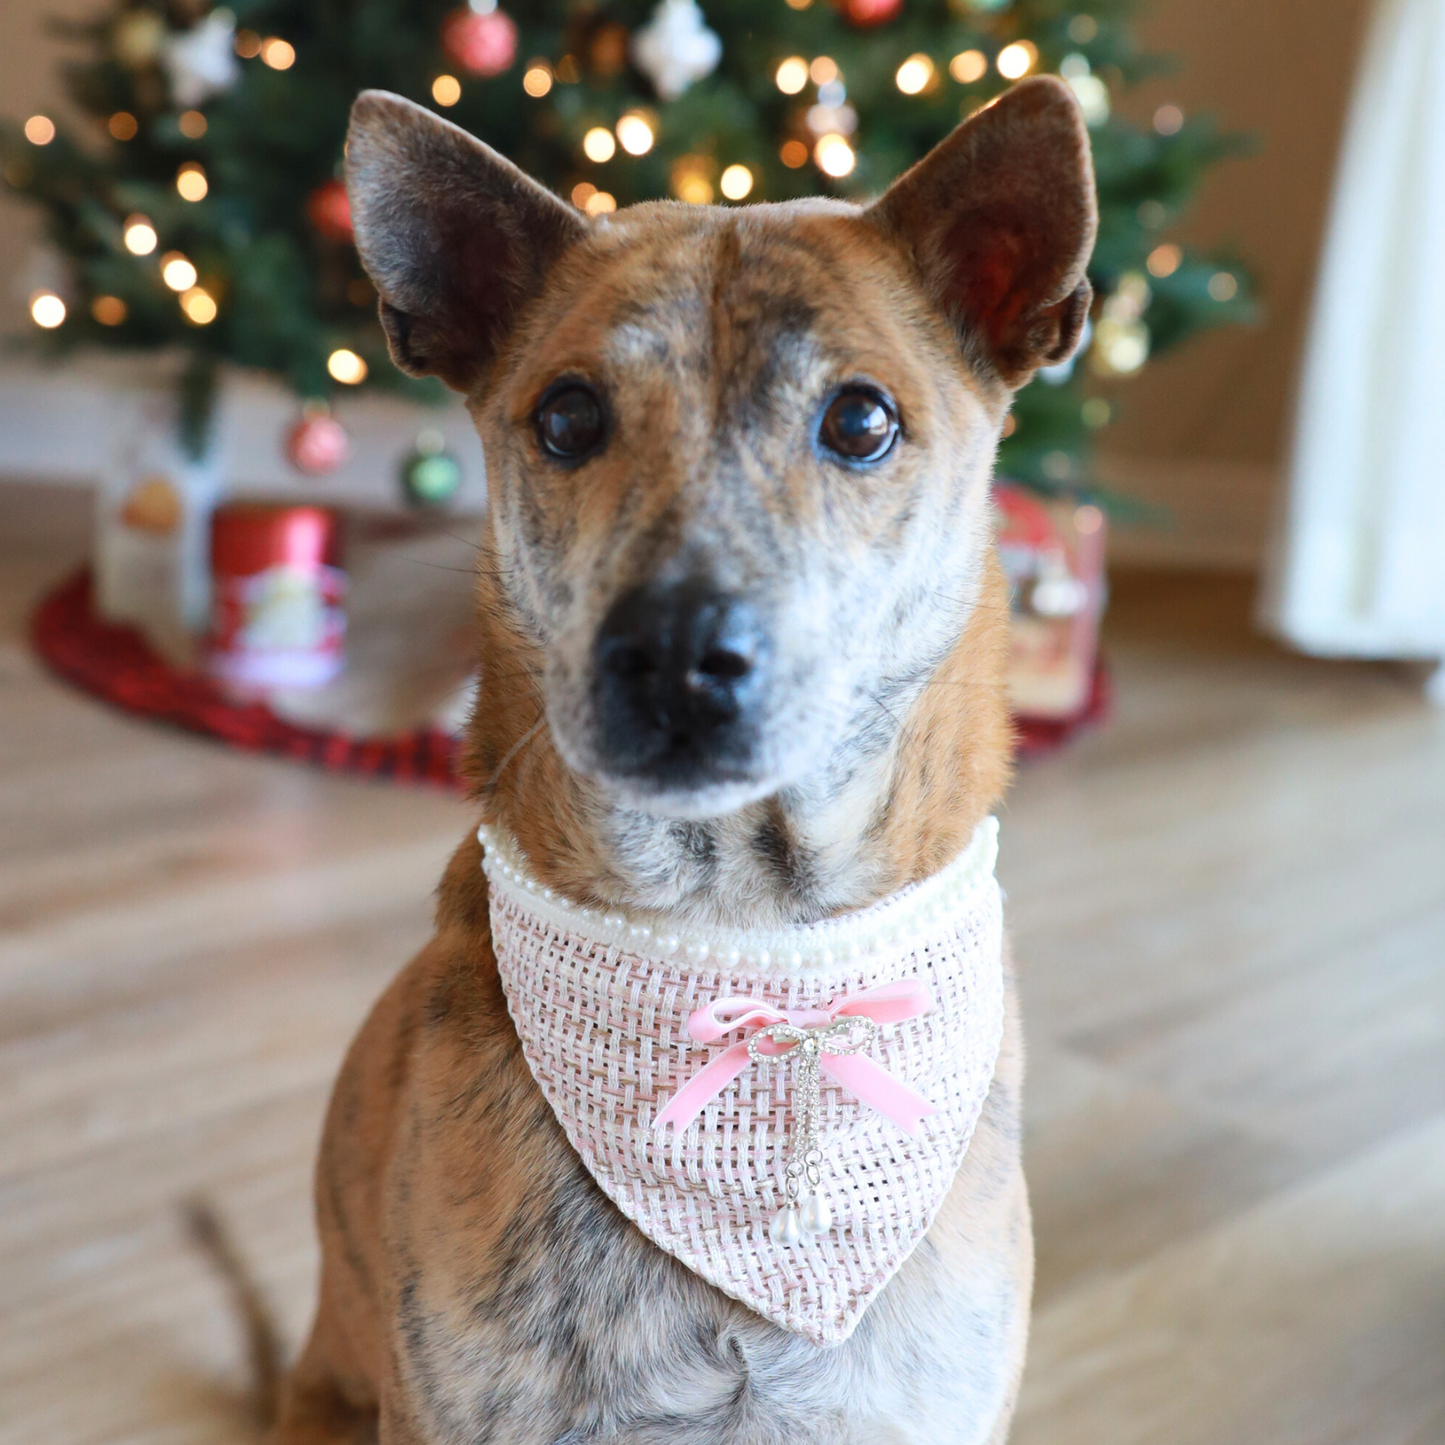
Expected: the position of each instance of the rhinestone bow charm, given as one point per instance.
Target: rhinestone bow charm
(807, 1210)
(829, 1040)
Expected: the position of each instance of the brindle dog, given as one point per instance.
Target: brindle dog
(741, 634)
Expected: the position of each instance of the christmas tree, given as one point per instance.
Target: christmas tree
(203, 208)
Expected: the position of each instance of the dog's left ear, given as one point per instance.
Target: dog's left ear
(456, 238)
(999, 219)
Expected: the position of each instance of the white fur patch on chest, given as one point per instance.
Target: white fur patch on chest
(860, 1027)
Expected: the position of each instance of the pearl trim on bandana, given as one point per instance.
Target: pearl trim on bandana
(797, 946)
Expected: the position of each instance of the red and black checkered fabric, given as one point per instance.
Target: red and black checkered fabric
(116, 663)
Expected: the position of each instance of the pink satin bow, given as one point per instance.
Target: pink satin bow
(875, 1086)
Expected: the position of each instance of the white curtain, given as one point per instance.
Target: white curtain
(1358, 567)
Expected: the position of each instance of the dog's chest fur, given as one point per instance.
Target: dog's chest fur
(569, 1325)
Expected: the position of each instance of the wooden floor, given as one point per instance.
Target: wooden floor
(1230, 911)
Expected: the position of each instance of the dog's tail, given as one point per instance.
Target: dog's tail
(263, 1342)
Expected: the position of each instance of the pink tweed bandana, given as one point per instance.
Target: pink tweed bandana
(790, 1067)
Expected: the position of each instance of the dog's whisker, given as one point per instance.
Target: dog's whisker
(514, 750)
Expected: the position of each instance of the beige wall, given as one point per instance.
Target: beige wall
(1205, 430)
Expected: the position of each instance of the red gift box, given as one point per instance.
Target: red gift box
(277, 596)
(1052, 551)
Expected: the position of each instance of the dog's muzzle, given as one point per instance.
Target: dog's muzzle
(680, 677)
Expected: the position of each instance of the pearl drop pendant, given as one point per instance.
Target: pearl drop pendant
(817, 1215)
(791, 1223)
(785, 1230)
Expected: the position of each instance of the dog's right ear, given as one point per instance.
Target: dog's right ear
(999, 220)
(456, 238)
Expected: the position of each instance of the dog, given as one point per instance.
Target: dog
(742, 639)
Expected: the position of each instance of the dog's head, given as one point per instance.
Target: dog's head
(737, 458)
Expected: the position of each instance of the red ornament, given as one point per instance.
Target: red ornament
(480, 44)
(317, 444)
(329, 211)
(867, 13)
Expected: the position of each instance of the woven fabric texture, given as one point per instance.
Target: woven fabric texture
(603, 1022)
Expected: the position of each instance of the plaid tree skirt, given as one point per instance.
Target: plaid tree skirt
(116, 664)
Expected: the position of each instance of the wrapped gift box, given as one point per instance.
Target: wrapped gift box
(1052, 551)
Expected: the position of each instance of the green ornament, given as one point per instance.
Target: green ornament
(430, 475)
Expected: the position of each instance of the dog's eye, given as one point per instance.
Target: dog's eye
(860, 424)
(570, 422)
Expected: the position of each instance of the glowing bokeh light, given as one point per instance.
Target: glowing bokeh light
(47, 310)
(736, 182)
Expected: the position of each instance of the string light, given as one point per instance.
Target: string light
(40, 131)
(1088, 518)
(346, 367)
(1091, 92)
(968, 66)
(191, 183)
(792, 75)
(1121, 337)
(914, 74)
(199, 306)
(583, 192)
(598, 145)
(1082, 29)
(834, 156)
(1168, 120)
(1057, 466)
(177, 272)
(823, 69)
(123, 125)
(798, 4)
(1223, 286)
(1131, 296)
(192, 124)
(601, 203)
(537, 80)
(1164, 260)
(635, 134)
(735, 182)
(690, 184)
(108, 310)
(568, 71)
(827, 119)
(278, 54)
(248, 44)
(1016, 60)
(139, 236)
(446, 90)
(1152, 214)
(793, 154)
(47, 310)
(1096, 412)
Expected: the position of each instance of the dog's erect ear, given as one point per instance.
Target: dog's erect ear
(999, 219)
(455, 237)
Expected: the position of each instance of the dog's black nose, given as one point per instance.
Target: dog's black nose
(679, 675)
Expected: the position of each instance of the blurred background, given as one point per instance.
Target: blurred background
(236, 652)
